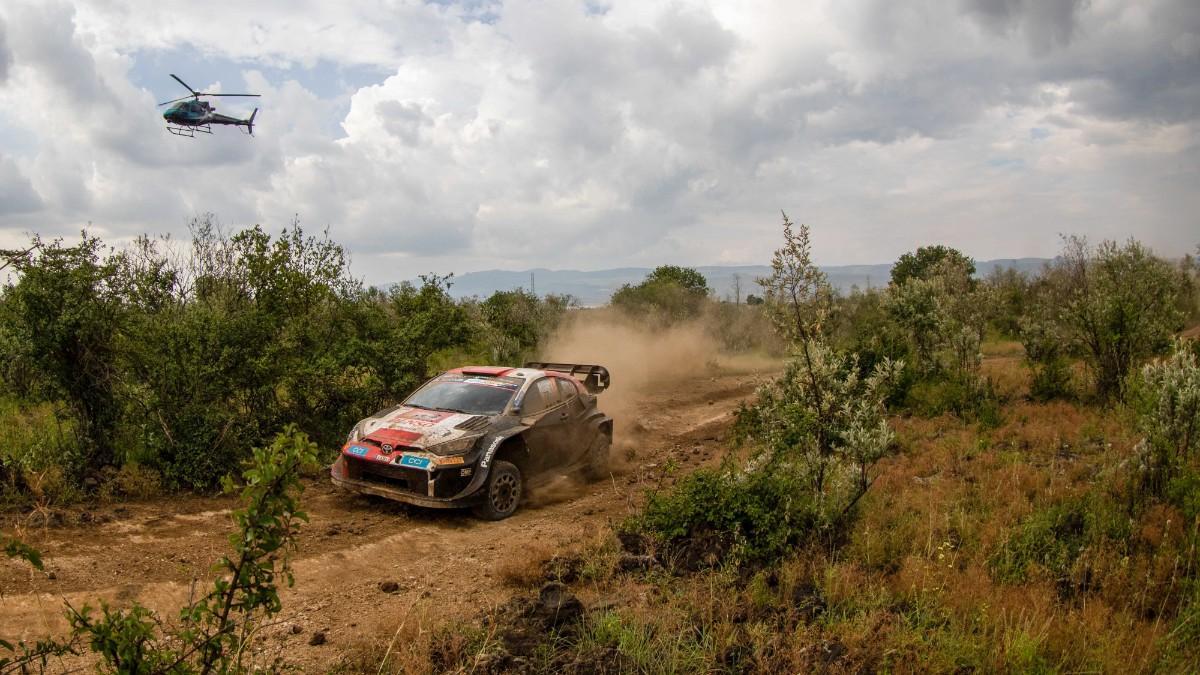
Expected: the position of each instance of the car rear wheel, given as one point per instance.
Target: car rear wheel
(502, 492)
(597, 457)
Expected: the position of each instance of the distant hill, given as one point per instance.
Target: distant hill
(595, 287)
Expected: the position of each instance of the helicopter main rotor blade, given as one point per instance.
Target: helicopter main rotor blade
(203, 94)
(185, 84)
(175, 100)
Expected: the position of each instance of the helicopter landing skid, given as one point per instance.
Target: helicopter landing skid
(190, 131)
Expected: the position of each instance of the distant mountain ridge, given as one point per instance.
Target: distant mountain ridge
(597, 286)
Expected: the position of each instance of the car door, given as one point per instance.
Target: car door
(547, 437)
(574, 408)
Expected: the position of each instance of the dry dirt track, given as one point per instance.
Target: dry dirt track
(445, 563)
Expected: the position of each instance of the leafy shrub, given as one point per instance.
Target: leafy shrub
(1054, 539)
(816, 431)
(176, 358)
(925, 262)
(213, 630)
(1114, 305)
(669, 293)
(750, 517)
(1167, 399)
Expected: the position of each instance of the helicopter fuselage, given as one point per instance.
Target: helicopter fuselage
(198, 113)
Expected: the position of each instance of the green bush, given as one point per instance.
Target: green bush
(669, 293)
(816, 433)
(1054, 538)
(751, 517)
(213, 631)
(1113, 305)
(176, 358)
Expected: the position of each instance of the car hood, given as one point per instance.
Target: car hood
(419, 428)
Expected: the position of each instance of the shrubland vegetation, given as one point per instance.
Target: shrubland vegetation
(950, 473)
(163, 363)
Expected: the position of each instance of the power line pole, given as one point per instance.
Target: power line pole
(532, 286)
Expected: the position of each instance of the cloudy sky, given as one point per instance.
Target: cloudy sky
(456, 136)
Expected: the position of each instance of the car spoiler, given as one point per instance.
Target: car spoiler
(595, 378)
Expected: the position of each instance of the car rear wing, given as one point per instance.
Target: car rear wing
(594, 378)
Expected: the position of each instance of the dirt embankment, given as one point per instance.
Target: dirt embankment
(672, 399)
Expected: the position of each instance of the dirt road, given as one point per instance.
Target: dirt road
(444, 563)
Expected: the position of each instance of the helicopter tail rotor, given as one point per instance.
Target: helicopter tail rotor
(250, 122)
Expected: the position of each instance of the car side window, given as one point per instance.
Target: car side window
(566, 390)
(542, 394)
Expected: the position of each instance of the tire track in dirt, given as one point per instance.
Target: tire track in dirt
(444, 563)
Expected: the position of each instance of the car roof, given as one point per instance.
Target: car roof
(505, 371)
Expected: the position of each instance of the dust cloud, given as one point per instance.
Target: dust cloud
(636, 355)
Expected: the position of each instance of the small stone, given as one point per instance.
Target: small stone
(317, 639)
(51, 575)
(296, 629)
(389, 586)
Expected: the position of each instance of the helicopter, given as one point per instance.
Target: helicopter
(190, 117)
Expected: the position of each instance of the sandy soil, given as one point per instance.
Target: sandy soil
(444, 563)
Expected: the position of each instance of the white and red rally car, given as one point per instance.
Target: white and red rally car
(479, 436)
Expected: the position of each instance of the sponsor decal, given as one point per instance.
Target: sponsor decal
(414, 461)
(487, 456)
(382, 458)
(426, 415)
(465, 471)
(447, 461)
(357, 450)
(491, 382)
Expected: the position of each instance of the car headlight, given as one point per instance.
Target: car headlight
(356, 433)
(455, 447)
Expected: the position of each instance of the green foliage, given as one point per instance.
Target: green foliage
(59, 326)
(941, 313)
(178, 357)
(1047, 356)
(1054, 539)
(216, 627)
(513, 323)
(1167, 400)
(669, 293)
(15, 548)
(753, 516)
(816, 432)
(924, 263)
(797, 294)
(1113, 305)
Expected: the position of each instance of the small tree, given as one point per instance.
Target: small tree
(1115, 305)
(213, 631)
(926, 261)
(670, 293)
(817, 432)
(1170, 418)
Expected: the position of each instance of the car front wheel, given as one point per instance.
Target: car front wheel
(502, 492)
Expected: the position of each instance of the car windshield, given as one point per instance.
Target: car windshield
(474, 395)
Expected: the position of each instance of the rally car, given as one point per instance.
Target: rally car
(479, 436)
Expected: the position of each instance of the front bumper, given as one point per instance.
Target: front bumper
(439, 489)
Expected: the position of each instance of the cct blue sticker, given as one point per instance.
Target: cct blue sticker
(414, 461)
(357, 450)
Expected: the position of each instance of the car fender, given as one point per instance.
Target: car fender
(483, 467)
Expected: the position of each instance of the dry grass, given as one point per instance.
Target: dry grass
(912, 590)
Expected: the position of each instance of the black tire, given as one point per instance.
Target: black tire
(597, 457)
(501, 493)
